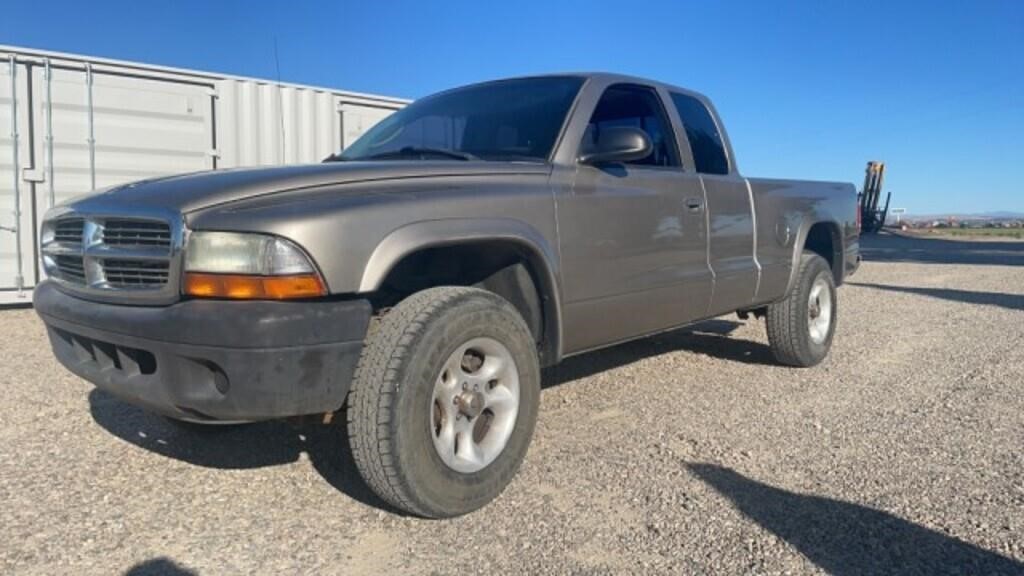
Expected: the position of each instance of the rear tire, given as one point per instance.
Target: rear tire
(800, 327)
(415, 397)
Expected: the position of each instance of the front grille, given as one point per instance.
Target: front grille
(135, 273)
(71, 268)
(115, 257)
(69, 230)
(123, 232)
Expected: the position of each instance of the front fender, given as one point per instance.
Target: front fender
(417, 236)
(446, 232)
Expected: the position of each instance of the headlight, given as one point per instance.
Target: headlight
(234, 253)
(248, 266)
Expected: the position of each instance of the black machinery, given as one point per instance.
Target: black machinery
(871, 218)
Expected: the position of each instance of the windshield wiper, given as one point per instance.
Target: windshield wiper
(422, 151)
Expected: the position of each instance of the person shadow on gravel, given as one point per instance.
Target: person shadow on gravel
(848, 539)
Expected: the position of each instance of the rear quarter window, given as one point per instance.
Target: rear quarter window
(705, 140)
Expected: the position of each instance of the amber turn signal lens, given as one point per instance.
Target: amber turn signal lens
(243, 287)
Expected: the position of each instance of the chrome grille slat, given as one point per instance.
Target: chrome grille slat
(122, 240)
(64, 248)
(134, 270)
(127, 252)
(156, 233)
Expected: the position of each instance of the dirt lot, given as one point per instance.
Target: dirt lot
(687, 453)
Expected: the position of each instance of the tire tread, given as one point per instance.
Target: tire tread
(786, 320)
(391, 341)
(376, 381)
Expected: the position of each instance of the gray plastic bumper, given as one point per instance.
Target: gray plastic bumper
(209, 359)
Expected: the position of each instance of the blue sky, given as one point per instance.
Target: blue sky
(807, 89)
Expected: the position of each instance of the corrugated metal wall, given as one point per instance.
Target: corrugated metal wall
(70, 124)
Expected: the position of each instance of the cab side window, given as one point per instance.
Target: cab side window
(639, 107)
(701, 131)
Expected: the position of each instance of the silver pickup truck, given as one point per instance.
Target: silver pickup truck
(422, 277)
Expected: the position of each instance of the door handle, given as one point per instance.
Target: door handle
(694, 204)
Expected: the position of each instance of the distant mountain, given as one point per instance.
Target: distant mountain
(1002, 215)
(992, 215)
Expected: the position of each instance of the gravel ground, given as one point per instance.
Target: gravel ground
(686, 453)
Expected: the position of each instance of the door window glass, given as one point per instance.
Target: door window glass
(639, 107)
(701, 131)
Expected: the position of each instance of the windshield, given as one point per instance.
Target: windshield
(505, 120)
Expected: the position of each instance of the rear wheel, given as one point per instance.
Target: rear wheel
(444, 402)
(800, 327)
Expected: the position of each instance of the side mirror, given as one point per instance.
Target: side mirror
(617, 144)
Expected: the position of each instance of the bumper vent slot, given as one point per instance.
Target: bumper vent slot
(107, 356)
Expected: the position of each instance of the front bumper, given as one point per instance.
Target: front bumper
(211, 360)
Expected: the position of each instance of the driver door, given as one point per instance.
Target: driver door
(633, 235)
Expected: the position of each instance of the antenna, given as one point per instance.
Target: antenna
(280, 97)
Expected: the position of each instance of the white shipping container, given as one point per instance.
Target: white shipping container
(70, 124)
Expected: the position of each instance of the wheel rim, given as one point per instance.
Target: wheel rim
(819, 310)
(475, 404)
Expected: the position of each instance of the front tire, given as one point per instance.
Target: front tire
(801, 327)
(444, 402)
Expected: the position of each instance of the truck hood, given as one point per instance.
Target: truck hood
(190, 192)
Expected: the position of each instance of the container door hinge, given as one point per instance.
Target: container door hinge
(33, 175)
